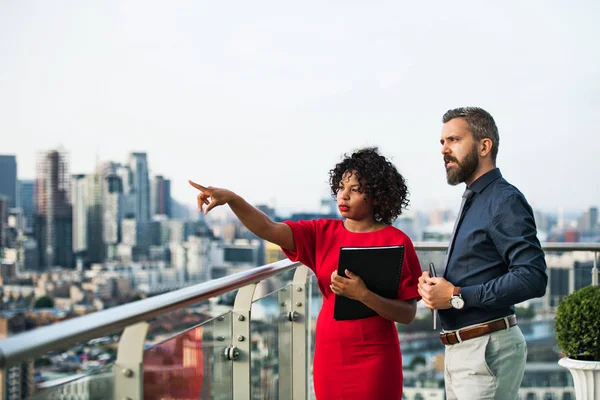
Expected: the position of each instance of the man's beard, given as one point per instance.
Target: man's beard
(464, 169)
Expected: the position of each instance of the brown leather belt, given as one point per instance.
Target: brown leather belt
(472, 332)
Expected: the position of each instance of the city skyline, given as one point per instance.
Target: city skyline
(272, 201)
(266, 103)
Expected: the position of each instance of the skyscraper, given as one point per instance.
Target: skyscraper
(79, 196)
(87, 218)
(589, 220)
(114, 200)
(161, 196)
(138, 165)
(53, 218)
(8, 179)
(27, 201)
(112, 213)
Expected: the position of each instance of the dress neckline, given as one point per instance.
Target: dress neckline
(361, 233)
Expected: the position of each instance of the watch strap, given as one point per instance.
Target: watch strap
(456, 292)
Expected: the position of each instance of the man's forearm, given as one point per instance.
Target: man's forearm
(506, 290)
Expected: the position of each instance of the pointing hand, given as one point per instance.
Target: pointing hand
(211, 196)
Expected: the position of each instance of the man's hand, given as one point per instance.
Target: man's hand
(352, 287)
(436, 292)
(212, 196)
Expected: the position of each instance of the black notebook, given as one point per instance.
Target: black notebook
(379, 268)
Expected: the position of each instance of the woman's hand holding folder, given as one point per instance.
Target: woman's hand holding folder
(352, 287)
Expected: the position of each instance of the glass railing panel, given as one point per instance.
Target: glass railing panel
(271, 346)
(435, 257)
(422, 350)
(224, 302)
(76, 368)
(94, 384)
(191, 364)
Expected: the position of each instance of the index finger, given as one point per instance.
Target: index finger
(197, 186)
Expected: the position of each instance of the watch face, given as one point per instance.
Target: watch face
(457, 302)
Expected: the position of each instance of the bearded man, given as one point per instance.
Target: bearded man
(494, 261)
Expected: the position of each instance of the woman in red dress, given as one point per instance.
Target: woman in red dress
(354, 359)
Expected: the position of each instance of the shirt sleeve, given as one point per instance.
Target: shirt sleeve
(305, 233)
(411, 271)
(513, 232)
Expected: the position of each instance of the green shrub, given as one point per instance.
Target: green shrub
(44, 302)
(577, 324)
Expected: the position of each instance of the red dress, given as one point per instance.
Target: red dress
(354, 359)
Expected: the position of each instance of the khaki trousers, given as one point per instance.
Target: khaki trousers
(487, 367)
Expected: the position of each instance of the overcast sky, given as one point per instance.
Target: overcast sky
(265, 97)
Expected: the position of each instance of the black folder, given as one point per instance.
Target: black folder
(379, 268)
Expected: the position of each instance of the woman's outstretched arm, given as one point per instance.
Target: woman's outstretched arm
(252, 218)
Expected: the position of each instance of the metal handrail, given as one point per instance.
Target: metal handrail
(547, 246)
(31, 344)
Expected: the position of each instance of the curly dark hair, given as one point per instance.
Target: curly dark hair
(383, 183)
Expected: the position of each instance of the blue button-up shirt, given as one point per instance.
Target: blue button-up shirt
(497, 258)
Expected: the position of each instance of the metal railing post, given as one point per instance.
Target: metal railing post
(300, 333)
(129, 366)
(241, 342)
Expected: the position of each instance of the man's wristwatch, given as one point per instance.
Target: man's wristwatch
(456, 301)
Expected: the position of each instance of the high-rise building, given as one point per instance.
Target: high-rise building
(14, 228)
(138, 165)
(589, 221)
(53, 215)
(198, 257)
(88, 243)
(26, 200)
(161, 196)
(128, 199)
(8, 179)
(79, 196)
(113, 177)
(112, 212)
(593, 213)
(28, 254)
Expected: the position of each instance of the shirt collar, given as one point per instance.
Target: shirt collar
(484, 180)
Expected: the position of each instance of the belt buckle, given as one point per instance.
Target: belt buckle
(444, 335)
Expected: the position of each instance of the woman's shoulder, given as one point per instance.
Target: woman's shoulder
(330, 226)
(319, 224)
(397, 233)
(328, 222)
